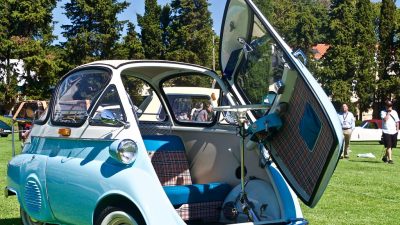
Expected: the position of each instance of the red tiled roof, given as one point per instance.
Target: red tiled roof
(320, 50)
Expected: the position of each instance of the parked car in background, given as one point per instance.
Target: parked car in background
(103, 154)
(372, 124)
(369, 130)
(5, 129)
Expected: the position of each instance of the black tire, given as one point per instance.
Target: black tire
(27, 220)
(117, 216)
(4, 135)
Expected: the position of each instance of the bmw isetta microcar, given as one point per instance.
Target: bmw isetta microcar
(165, 143)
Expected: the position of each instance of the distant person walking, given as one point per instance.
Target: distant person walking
(347, 121)
(390, 129)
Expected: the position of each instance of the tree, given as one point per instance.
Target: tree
(302, 23)
(310, 25)
(131, 47)
(190, 33)
(282, 14)
(151, 34)
(165, 23)
(366, 42)
(26, 34)
(94, 30)
(386, 54)
(339, 66)
(266, 7)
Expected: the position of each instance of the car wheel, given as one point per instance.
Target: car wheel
(116, 216)
(4, 135)
(27, 220)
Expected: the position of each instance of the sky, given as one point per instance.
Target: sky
(137, 7)
(397, 2)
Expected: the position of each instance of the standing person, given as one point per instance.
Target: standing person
(203, 115)
(196, 110)
(390, 128)
(347, 121)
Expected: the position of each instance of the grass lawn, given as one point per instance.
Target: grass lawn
(361, 191)
(9, 210)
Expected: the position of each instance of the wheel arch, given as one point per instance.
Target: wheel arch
(119, 201)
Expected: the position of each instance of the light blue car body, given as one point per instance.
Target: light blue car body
(104, 180)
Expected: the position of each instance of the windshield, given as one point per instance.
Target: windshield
(76, 94)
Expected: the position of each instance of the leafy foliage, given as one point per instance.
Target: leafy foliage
(131, 47)
(152, 34)
(387, 49)
(366, 47)
(26, 35)
(94, 30)
(340, 63)
(190, 32)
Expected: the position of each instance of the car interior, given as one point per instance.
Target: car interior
(197, 163)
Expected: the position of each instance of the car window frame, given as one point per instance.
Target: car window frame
(57, 89)
(169, 106)
(98, 102)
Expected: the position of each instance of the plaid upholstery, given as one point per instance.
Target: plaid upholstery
(303, 163)
(204, 211)
(155, 127)
(172, 167)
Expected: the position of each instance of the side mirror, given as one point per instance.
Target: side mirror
(299, 53)
(107, 117)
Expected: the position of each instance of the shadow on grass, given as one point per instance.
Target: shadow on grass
(366, 161)
(11, 221)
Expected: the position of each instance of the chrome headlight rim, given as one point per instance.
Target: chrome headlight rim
(124, 151)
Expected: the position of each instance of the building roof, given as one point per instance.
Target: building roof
(320, 50)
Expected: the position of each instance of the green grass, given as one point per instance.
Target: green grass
(6, 120)
(361, 191)
(9, 207)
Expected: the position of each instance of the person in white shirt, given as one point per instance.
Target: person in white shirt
(347, 121)
(390, 128)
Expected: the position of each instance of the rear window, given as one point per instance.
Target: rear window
(191, 98)
(188, 107)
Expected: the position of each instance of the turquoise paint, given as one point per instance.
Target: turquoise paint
(284, 192)
(70, 199)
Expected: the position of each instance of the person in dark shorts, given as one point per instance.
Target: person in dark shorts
(390, 128)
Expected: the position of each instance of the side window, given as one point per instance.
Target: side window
(111, 102)
(191, 98)
(76, 95)
(146, 103)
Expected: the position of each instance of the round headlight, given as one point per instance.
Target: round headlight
(124, 151)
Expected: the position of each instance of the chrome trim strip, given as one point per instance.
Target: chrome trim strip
(9, 192)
